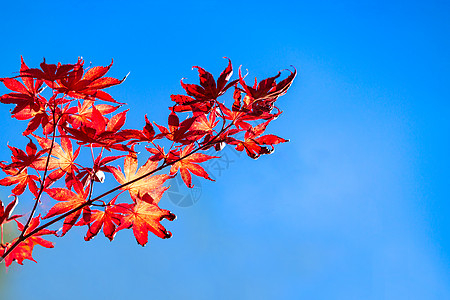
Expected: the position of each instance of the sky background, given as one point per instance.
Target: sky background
(356, 206)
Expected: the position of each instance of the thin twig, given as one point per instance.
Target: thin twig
(41, 190)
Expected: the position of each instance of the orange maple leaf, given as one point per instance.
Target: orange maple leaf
(144, 216)
(69, 200)
(152, 185)
(25, 248)
(190, 165)
(108, 219)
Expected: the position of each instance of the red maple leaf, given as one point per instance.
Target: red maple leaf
(176, 131)
(21, 178)
(100, 132)
(38, 116)
(49, 72)
(21, 159)
(25, 248)
(82, 113)
(253, 141)
(266, 92)
(152, 185)
(158, 154)
(68, 201)
(239, 118)
(62, 159)
(204, 123)
(6, 213)
(204, 94)
(25, 95)
(268, 88)
(89, 85)
(147, 134)
(190, 164)
(144, 216)
(108, 219)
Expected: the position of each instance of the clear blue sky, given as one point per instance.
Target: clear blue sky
(356, 206)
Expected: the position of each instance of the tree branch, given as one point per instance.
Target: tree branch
(23, 237)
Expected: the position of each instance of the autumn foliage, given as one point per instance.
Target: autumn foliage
(71, 117)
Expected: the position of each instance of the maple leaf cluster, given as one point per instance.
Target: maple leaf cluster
(70, 116)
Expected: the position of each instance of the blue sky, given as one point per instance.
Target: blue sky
(354, 207)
